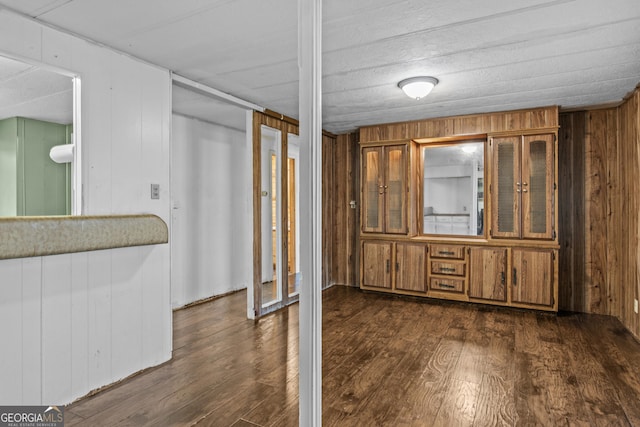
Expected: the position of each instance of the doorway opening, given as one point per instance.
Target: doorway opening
(278, 281)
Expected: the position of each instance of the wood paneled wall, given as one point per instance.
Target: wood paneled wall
(571, 228)
(600, 211)
(599, 199)
(463, 125)
(628, 204)
(329, 232)
(345, 187)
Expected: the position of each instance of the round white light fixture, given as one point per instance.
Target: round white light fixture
(418, 87)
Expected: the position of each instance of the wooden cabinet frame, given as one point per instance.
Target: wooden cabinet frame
(517, 269)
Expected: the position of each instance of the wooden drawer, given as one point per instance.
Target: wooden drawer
(446, 285)
(445, 251)
(448, 268)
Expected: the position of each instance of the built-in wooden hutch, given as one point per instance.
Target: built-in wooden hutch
(463, 208)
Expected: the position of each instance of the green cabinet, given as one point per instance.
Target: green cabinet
(30, 182)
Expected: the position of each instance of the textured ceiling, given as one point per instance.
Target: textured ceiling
(489, 55)
(29, 91)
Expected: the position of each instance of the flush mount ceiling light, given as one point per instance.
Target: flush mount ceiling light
(418, 87)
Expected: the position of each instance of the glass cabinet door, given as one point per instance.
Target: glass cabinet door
(537, 186)
(373, 190)
(395, 189)
(384, 191)
(506, 187)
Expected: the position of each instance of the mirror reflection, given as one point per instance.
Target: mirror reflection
(36, 114)
(453, 188)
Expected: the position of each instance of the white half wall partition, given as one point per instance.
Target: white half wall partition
(72, 323)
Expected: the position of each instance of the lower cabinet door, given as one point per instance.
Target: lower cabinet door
(410, 267)
(488, 274)
(533, 277)
(376, 265)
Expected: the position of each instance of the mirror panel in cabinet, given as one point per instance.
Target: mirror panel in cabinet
(453, 188)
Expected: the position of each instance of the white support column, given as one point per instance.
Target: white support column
(310, 110)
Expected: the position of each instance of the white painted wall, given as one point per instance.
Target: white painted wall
(212, 216)
(73, 323)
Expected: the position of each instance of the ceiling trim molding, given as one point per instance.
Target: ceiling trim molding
(209, 91)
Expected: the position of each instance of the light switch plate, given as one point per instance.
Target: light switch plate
(635, 306)
(155, 191)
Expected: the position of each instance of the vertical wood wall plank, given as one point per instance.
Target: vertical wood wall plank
(611, 212)
(32, 324)
(99, 302)
(56, 329)
(571, 216)
(11, 307)
(126, 313)
(329, 200)
(97, 122)
(126, 188)
(353, 230)
(613, 223)
(340, 235)
(595, 195)
(79, 324)
(346, 227)
(157, 331)
(629, 132)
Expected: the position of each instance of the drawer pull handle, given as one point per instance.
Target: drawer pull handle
(444, 285)
(447, 269)
(446, 253)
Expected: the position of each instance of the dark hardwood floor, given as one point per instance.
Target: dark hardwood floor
(387, 362)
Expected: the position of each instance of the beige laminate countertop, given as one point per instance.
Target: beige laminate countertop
(22, 237)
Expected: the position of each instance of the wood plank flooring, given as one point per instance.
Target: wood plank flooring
(387, 361)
